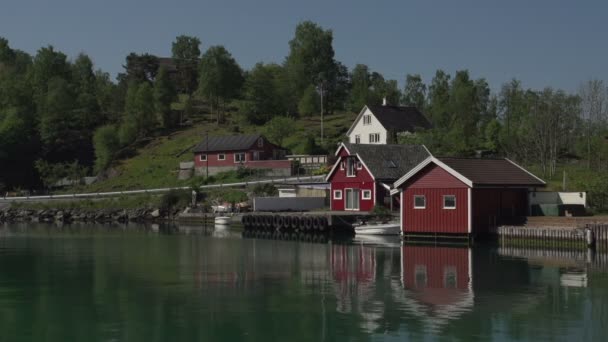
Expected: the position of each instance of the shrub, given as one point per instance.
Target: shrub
(106, 144)
(127, 133)
(265, 190)
(175, 198)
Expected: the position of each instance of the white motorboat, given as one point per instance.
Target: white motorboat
(222, 220)
(390, 228)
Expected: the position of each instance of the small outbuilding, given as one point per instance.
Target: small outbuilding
(464, 195)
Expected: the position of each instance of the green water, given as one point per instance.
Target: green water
(99, 283)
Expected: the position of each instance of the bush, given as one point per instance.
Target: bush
(309, 103)
(381, 212)
(127, 133)
(265, 190)
(175, 198)
(106, 144)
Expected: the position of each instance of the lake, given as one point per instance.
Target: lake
(136, 283)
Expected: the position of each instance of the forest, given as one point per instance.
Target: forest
(63, 117)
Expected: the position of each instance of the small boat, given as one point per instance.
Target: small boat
(390, 228)
(222, 220)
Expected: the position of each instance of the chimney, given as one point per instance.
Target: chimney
(384, 101)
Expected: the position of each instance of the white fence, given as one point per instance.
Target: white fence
(306, 179)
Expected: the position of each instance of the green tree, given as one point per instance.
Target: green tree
(309, 102)
(139, 68)
(439, 99)
(311, 57)
(279, 128)
(84, 84)
(414, 93)
(139, 110)
(186, 53)
(106, 143)
(164, 95)
(360, 92)
(59, 130)
(220, 77)
(262, 99)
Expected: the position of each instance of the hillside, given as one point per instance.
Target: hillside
(154, 164)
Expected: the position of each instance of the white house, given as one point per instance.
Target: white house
(381, 124)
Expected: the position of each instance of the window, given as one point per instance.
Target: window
(367, 194)
(342, 165)
(221, 156)
(359, 165)
(374, 138)
(338, 194)
(367, 119)
(239, 157)
(203, 157)
(260, 142)
(357, 139)
(419, 202)
(420, 276)
(256, 155)
(350, 167)
(449, 202)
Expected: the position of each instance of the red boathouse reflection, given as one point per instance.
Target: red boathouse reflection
(437, 283)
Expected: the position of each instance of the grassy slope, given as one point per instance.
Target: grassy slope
(155, 164)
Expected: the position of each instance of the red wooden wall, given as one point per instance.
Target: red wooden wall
(495, 206)
(436, 263)
(266, 153)
(434, 182)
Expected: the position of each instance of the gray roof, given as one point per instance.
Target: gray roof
(389, 162)
(400, 118)
(227, 143)
(499, 171)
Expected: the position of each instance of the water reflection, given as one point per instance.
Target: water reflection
(143, 283)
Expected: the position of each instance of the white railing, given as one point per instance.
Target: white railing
(316, 179)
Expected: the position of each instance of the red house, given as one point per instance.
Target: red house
(463, 196)
(226, 153)
(362, 175)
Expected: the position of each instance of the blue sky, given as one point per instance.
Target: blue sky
(542, 43)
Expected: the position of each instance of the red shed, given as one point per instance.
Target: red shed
(463, 196)
(362, 175)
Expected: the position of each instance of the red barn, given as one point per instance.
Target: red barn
(225, 153)
(463, 196)
(362, 175)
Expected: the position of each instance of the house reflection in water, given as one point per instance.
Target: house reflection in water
(437, 283)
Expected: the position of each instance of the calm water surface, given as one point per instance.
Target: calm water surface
(99, 283)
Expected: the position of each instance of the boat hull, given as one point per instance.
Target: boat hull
(379, 229)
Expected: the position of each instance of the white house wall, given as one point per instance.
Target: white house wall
(365, 130)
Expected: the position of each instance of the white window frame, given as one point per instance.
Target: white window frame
(221, 156)
(369, 194)
(202, 157)
(420, 207)
(374, 138)
(357, 139)
(449, 208)
(337, 194)
(350, 172)
(367, 120)
(342, 162)
(240, 154)
(359, 165)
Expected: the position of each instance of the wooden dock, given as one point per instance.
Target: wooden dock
(592, 236)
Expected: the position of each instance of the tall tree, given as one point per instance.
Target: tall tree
(139, 68)
(262, 99)
(360, 93)
(140, 116)
(85, 89)
(186, 53)
(164, 95)
(594, 114)
(414, 93)
(220, 77)
(439, 99)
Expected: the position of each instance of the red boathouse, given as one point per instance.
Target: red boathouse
(463, 196)
(362, 175)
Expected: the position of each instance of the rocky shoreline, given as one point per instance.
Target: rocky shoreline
(9, 215)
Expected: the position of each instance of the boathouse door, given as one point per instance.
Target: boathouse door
(352, 199)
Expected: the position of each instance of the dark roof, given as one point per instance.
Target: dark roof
(389, 162)
(492, 171)
(227, 143)
(399, 118)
